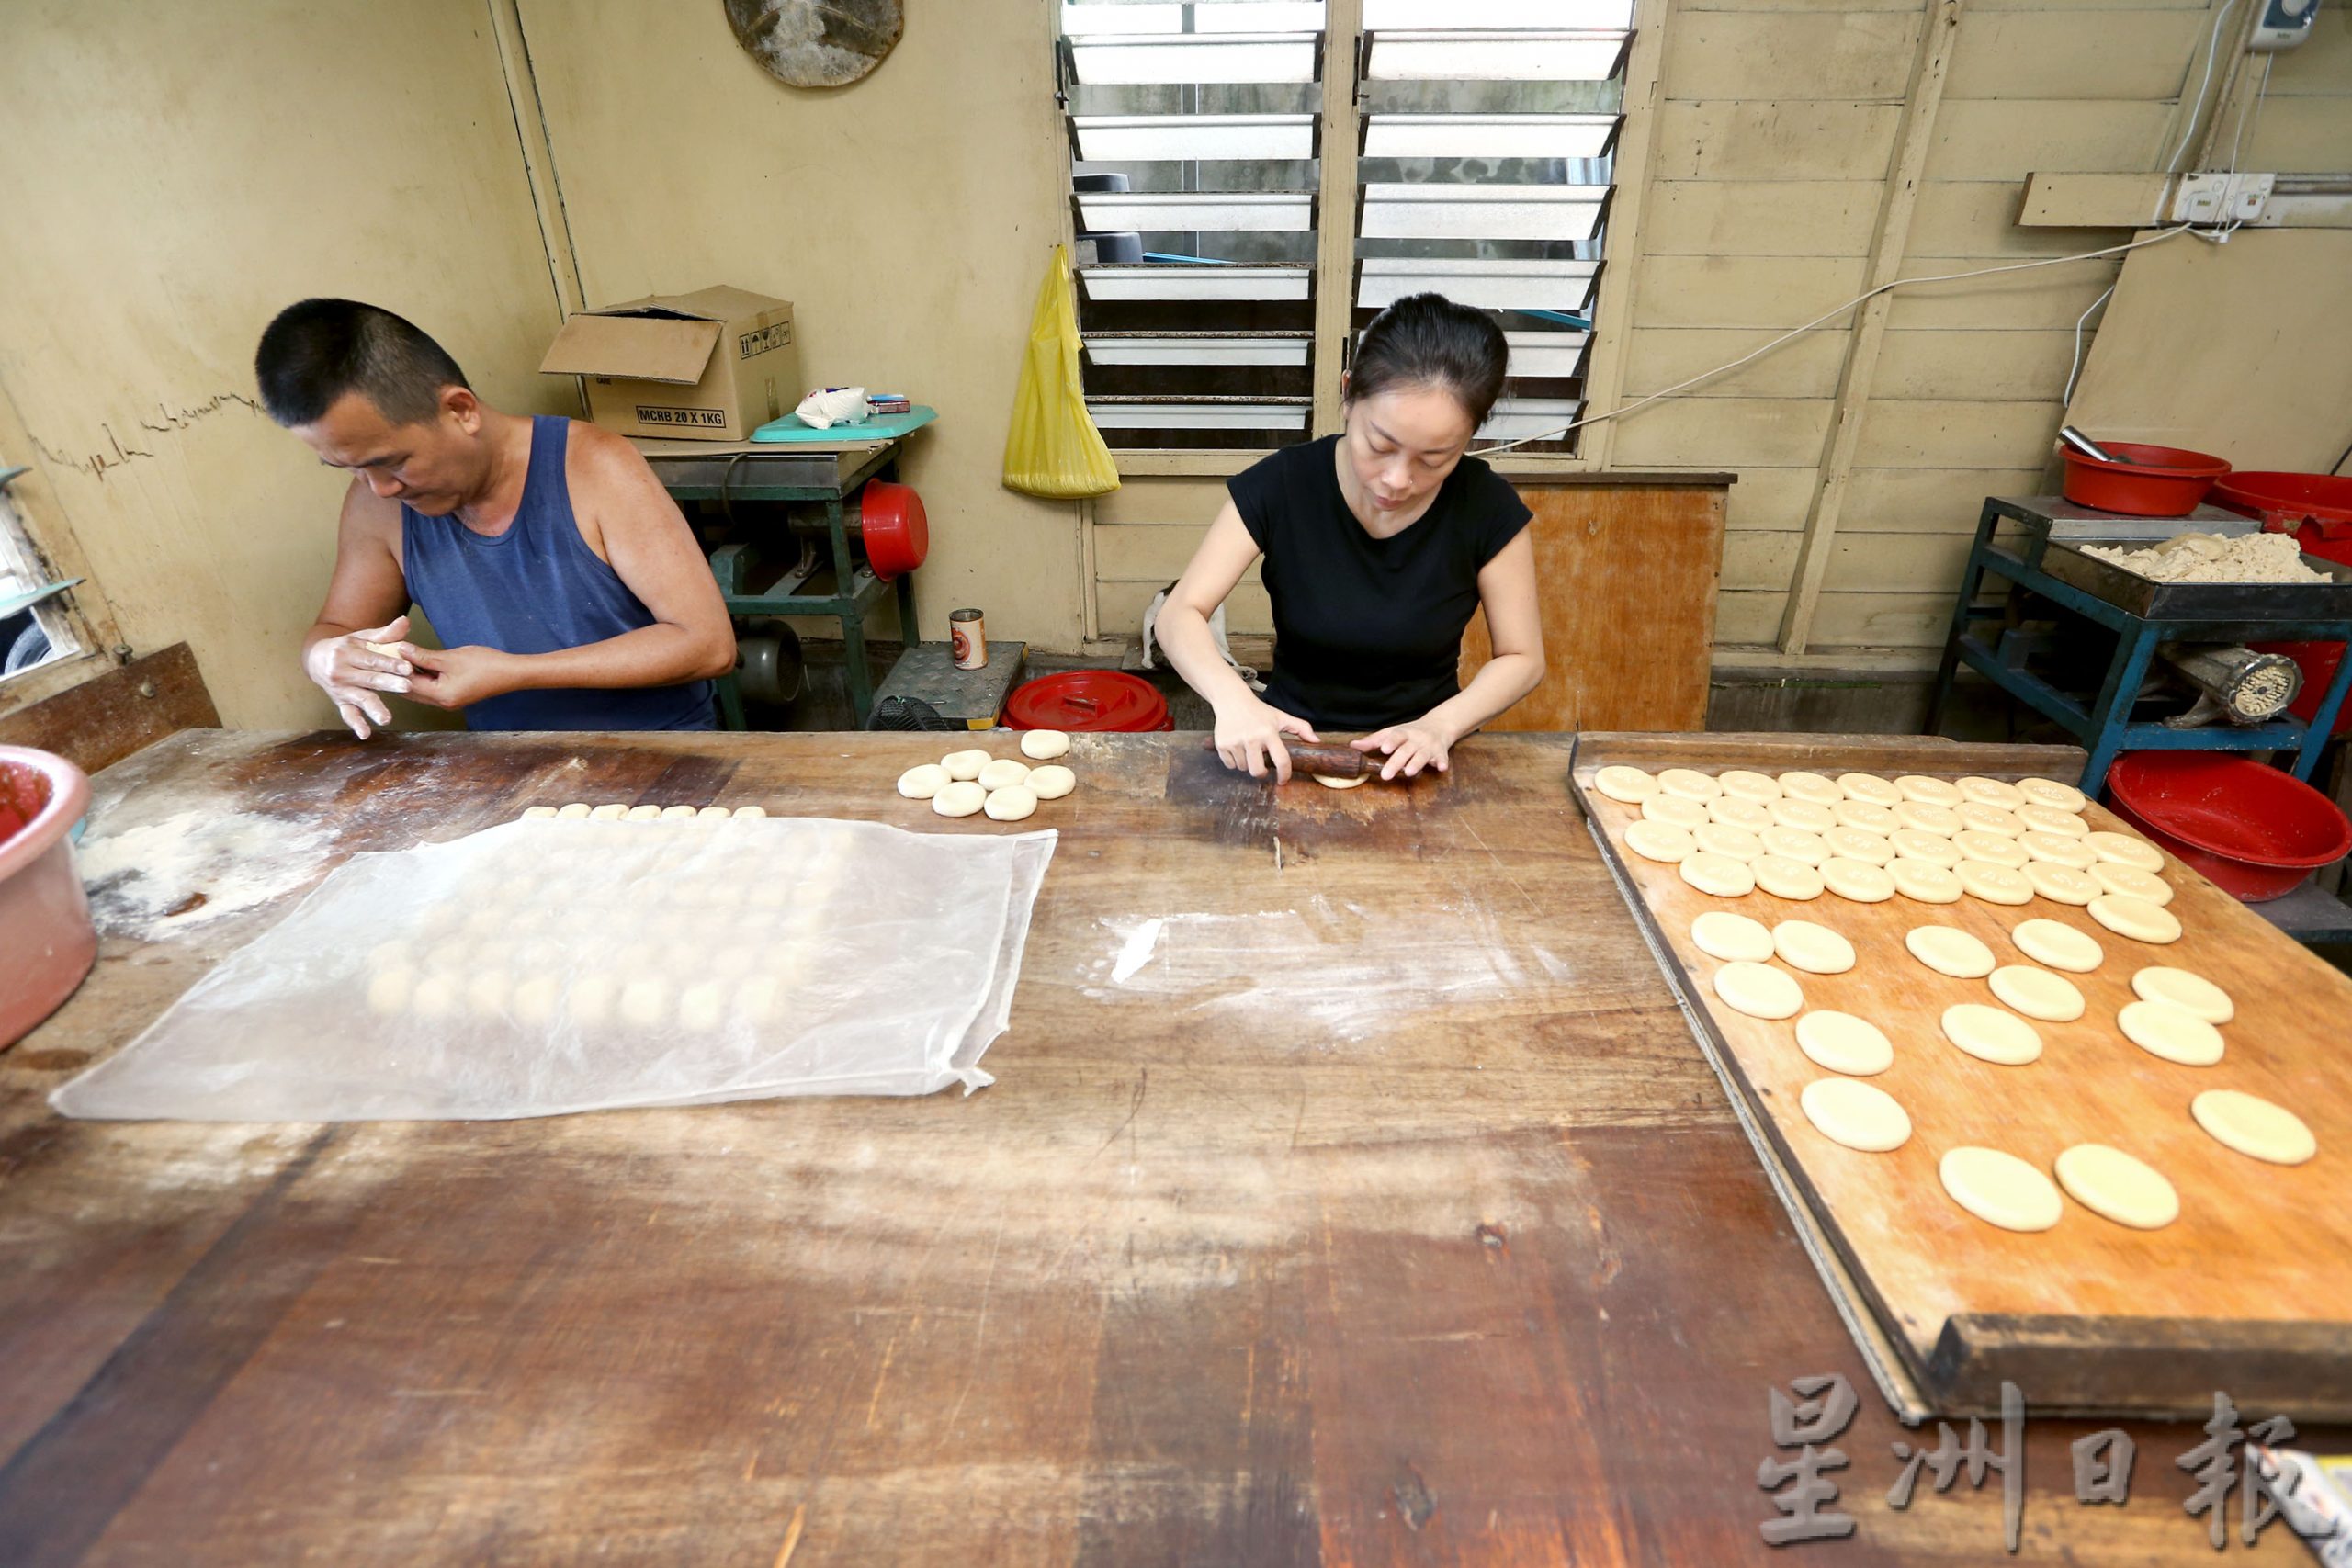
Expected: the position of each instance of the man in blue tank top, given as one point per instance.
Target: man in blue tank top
(563, 581)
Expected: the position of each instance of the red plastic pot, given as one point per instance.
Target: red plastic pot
(2148, 481)
(894, 527)
(2251, 830)
(2315, 508)
(1097, 700)
(47, 944)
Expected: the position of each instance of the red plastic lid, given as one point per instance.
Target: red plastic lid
(1088, 700)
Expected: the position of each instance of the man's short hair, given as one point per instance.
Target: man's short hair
(317, 351)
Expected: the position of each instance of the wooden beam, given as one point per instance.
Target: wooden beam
(539, 156)
(2094, 201)
(1613, 309)
(1928, 73)
(1335, 209)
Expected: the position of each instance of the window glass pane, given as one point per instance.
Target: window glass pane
(1124, 139)
(1524, 15)
(1278, 57)
(1581, 137)
(1479, 212)
(1496, 57)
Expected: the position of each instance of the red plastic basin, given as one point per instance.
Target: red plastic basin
(1099, 700)
(2148, 481)
(2251, 830)
(895, 528)
(47, 943)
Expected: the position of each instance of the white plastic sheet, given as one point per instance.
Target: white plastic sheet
(552, 966)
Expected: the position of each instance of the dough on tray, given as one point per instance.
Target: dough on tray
(1844, 1044)
(2136, 918)
(2037, 993)
(2000, 1188)
(1785, 878)
(1689, 784)
(2058, 945)
(1812, 947)
(2189, 992)
(2114, 1185)
(1627, 785)
(2254, 1126)
(1051, 782)
(1718, 875)
(1859, 1115)
(1991, 1035)
(923, 781)
(1719, 933)
(960, 797)
(1044, 745)
(1758, 990)
(1659, 842)
(2174, 1034)
(999, 773)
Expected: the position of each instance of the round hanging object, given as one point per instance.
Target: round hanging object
(817, 43)
(1096, 700)
(892, 524)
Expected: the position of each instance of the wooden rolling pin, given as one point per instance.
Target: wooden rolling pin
(1332, 761)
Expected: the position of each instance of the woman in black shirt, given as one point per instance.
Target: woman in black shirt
(1379, 542)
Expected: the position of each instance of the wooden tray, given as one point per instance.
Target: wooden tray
(2249, 1291)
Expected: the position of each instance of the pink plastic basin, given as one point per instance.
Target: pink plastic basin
(47, 943)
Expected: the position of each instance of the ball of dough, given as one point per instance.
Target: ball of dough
(677, 813)
(2126, 848)
(2058, 945)
(1869, 788)
(2130, 881)
(1995, 884)
(1991, 792)
(703, 1004)
(611, 811)
(1785, 878)
(588, 1003)
(749, 813)
(1986, 819)
(959, 798)
(1717, 875)
(1796, 844)
(922, 782)
(536, 813)
(1812, 788)
(961, 765)
(713, 814)
(436, 996)
(1010, 804)
(2174, 1034)
(1991, 847)
(2061, 884)
(1626, 785)
(1859, 844)
(533, 1001)
(1866, 815)
(2049, 792)
(2038, 994)
(2056, 848)
(999, 772)
(645, 1001)
(2049, 819)
(641, 814)
(1043, 744)
(1051, 782)
(1327, 782)
(388, 990)
(576, 811)
(1927, 818)
(1804, 816)
(1857, 880)
(1733, 844)
(1928, 791)
(2135, 917)
(1745, 783)
(1924, 882)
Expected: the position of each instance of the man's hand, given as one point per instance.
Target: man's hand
(1249, 737)
(459, 677)
(351, 672)
(1409, 748)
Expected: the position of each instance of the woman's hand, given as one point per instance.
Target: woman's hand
(1249, 737)
(1409, 748)
(350, 670)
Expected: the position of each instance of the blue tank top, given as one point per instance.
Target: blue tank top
(534, 589)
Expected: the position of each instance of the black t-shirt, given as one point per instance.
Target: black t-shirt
(1368, 632)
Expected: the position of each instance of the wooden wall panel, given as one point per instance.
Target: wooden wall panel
(1791, 55)
(1759, 217)
(1122, 604)
(1988, 139)
(1976, 366)
(2078, 53)
(1774, 140)
(1658, 357)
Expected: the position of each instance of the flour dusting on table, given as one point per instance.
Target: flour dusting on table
(156, 878)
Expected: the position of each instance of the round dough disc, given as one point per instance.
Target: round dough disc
(1924, 882)
(1735, 939)
(2109, 877)
(1051, 782)
(959, 797)
(2190, 993)
(1786, 878)
(961, 765)
(1930, 791)
(1675, 811)
(1327, 782)
(1011, 803)
(1991, 819)
(1718, 875)
(2126, 848)
(1001, 772)
(1993, 883)
(1618, 781)
(2056, 848)
(923, 781)
(1758, 990)
(2049, 819)
(2114, 1185)
(2254, 1126)
(1044, 745)
(1812, 947)
(1812, 787)
(1991, 847)
(1732, 843)
(1806, 816)
(2061, 884)
(1866, 815)
(1747, 784)
(2049, 792)
(1844, 1044)
(1857, 880)
(2000, 1188)
(1660, 841)
(1917, 843)
(1857, 843)
(2136, 918)
(1867, 787)
(1859, 1115)
(1991, 792)
(1991, 1035)
(2059, 946)
(1928, 818)
(2037, 993)
(1689, 784)
(1732, 812)
(2162, 1030)
(1947, 950)
(1796, 844)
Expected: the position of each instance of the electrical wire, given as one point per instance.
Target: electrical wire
(2076, 367)
(2213, 45)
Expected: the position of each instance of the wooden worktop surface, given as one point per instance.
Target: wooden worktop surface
(1377, 1206)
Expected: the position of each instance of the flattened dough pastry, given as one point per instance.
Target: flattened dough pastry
(1690, 784)
(1812, 947)
(1857, 880)
(2056, 848)
(2131, 882)
(1947, 950)
(1917, 843)
(1661, 842)
(1672, 809)
(1813, 788)
(2162, 1030)
(1857, 843)
(1867, 787)
(2058, 945)
(1758, 990)
(959, 797)
(1991, 792)
(1628, 786)
(1733, 812)
(1991, 1035)
(1859, 1115)
(1733, 844)
(1796, 844)
(1718, 875)
(2136, 918)
(2000, 1188)
(1053, 781)
(1786, 878)
(1745, 783)
(2061, 884)
(2114, 1185)
(1928, 818)
(2037, 993)
(1735, 939)
(1991, 819)
(1932, 791)
(1925, 881)
(1995, 884)
(2188, 991)
(2049, 819)
(1807, 815)
(1044, 745)
(2050, 792)
(2126, 848)
(1991, 847)
(1843, 1044)
(2254, 1126)
(1867, 815)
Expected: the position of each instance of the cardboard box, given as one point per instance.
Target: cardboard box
(710, 365)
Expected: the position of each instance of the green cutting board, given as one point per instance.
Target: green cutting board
(882, 427)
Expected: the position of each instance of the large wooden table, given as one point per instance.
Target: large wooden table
(1386, 1212)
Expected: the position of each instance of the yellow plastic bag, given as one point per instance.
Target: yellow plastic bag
(1053, 448)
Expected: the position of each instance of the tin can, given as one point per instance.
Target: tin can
(968, 638)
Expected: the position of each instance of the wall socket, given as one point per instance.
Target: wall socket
(2221, 197)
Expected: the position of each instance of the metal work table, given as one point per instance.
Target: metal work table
(2209, 612)
(774, 474)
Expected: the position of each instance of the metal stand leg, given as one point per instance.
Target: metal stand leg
(2113, 709)
(909, 629)
(731, 702)
(2317, 732)
(1972, 578)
